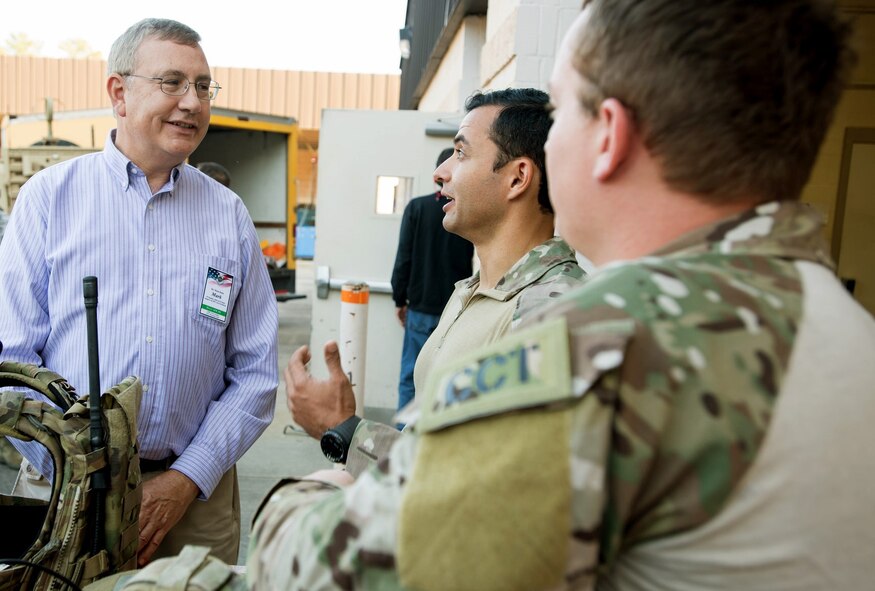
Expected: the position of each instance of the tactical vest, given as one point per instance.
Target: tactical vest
(59, 534)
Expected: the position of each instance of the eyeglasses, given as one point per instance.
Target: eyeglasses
(206, 91)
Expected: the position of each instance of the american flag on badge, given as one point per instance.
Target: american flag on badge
(218, 279)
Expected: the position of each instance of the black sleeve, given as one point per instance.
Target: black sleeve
(401, 271)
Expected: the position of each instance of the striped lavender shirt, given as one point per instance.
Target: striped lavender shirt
(209, 385)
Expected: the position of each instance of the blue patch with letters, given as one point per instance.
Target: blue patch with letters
(527, 368)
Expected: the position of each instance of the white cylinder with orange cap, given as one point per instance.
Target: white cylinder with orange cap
(352, 341)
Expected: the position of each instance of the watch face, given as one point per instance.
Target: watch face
(332, 446)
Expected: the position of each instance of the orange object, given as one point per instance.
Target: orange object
(354, 295)
(276, 250)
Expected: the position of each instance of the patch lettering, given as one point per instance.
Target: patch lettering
(525, 369)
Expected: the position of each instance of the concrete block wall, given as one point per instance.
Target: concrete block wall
(540, 27)
(458, 74)
(522, 38)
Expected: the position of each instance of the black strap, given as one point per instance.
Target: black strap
(157, 465)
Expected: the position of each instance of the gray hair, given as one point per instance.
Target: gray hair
(124, 49)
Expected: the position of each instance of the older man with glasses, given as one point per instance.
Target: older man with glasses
(185, 299)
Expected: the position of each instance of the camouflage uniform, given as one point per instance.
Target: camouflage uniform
(475, 318)
(544, 273)
(627, 412)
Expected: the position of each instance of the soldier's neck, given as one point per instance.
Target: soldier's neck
(499, 254)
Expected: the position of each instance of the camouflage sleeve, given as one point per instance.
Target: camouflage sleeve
(371, 442)
(688, 415)
(264, 555)
(313, 536)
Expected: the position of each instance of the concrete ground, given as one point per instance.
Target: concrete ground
(281, 451)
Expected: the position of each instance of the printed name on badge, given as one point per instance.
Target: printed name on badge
(217, 295)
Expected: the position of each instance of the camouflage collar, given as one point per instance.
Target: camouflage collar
(784, 229)
(528, 269)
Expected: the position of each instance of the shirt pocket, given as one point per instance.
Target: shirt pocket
(213, 285)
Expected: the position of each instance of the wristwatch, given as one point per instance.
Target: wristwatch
(335, 441)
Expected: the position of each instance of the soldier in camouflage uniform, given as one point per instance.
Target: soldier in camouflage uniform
(499, 201)
(687, 419)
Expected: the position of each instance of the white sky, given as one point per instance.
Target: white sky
(315, 35)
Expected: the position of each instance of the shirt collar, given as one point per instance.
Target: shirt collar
(123, 169)
(528, 269)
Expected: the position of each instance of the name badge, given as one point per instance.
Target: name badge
(217, 295)
(527, 368)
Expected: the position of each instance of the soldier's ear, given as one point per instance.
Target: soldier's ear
(115, 87)
(522, 172)
(613, 138)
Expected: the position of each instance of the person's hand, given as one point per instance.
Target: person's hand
(165, 500)
(332, 476)
(401, 313)
(317, 405)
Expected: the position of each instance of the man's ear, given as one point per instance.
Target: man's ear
(523, 173)
(614, 137)
(115, 87)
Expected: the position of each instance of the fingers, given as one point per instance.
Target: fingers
(290, 389)
(332, 360)
(300, 356)
(148, 546)
(296, 370)
(332, 476)
(151, 537)
(144, 542)
(341, 390)
(166, 498)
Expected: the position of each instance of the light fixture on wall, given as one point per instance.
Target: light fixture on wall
(405, 39)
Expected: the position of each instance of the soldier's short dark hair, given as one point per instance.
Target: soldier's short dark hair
(520, 129)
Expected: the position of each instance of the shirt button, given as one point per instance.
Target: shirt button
(148, 339)
(151, 206)
(151, 248)
(145, 387)
(150, 291)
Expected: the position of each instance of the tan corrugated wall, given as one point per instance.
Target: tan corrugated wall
(77, 84)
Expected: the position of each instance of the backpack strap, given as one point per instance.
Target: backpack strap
(25, 419)
(39, 379)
